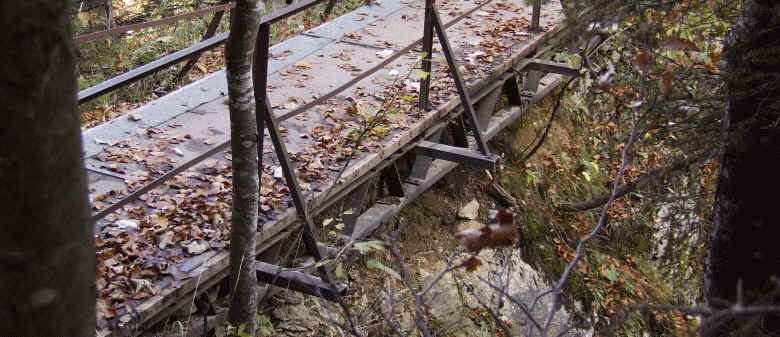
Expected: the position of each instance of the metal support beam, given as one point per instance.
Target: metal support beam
(353, 206)
(298, 281)
(536, 13)
(391, 177)
(422, 163)
(512, 91)
(456, 154)
(531, 82)
(485, 108)
(459, 133)
(546, 67)
(427, 49)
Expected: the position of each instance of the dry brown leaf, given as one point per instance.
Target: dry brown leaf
(472, 263)
(303, 65)
(665, 84)
(641, 60)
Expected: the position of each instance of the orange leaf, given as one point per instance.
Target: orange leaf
(665, 83)
(680, 44)
(641, 60)
(472, 263)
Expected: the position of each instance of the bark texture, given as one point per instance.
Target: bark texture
(47, 253)
(744, 238)
(244, 23)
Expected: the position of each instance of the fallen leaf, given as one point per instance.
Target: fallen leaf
(303, 65)
(641, 60)
(665, 84)
(165, 240)
(196, 247)
(472, 263)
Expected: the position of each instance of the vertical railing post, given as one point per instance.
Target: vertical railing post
(260, 82)
(427, 49)
(537, 12)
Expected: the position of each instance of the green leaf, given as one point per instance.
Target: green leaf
(340, 226)
(422, 55)
(586, 175)
(610, 274)
(394, 117)
(420, 73)
(379, 131)
(366, 246)
(409, 98)
(327, 222)
(375, 264)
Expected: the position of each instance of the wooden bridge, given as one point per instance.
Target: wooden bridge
(160, 178)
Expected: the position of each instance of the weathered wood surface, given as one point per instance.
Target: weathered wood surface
(189, 122)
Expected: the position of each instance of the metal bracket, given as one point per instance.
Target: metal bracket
(456, 154)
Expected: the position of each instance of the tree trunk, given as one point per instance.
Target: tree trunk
(744, 238)
(47, 253)
(244, 23)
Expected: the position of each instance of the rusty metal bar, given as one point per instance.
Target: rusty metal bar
(289, 11)
(260, 85)
(328, 9)
(298, 281)
(146, 69)
(427, 49)
(210, 31)
(455, 154)
(536, 13)
(137, 26)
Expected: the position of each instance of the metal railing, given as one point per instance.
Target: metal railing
(191, 53)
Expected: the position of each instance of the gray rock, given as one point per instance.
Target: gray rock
(470, 211)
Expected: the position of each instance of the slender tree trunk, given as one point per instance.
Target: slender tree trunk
(744, 240)
(244, 23)
(47, 254)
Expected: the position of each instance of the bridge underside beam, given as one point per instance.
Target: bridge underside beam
(455, 154)
(298, 281)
